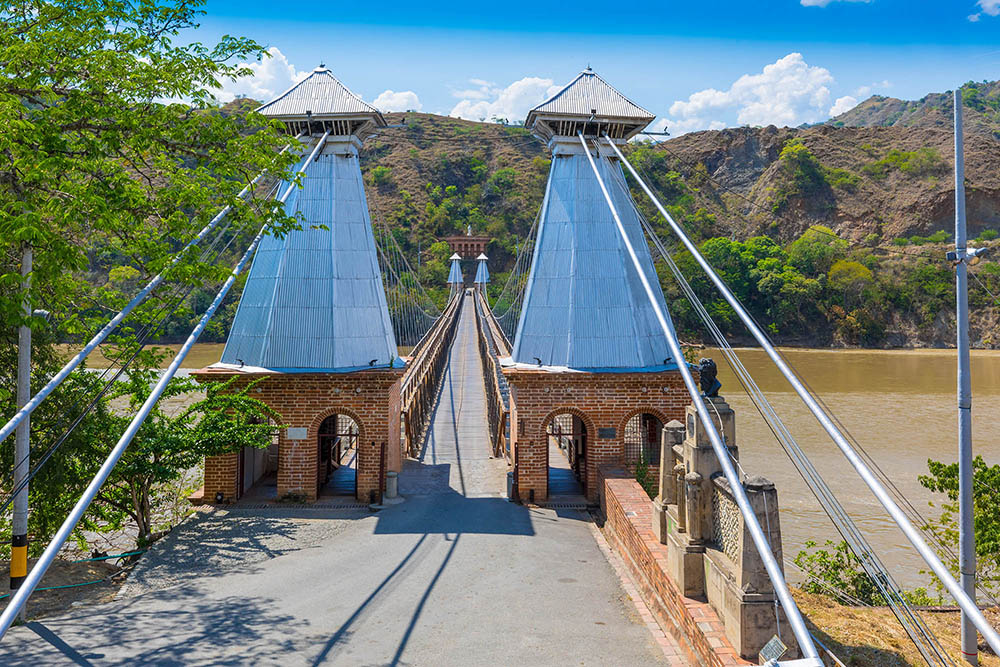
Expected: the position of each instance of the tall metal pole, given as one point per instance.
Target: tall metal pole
(967, 537)
(22, 443)
(18, 600)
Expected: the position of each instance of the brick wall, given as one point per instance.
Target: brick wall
(628, 514)
(304, 400)
(601, 400)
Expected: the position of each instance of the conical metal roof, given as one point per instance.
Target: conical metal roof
(585, 306)
(590, 98)
(314, 300)
(482, 273)
(323, 96)
(455, 273)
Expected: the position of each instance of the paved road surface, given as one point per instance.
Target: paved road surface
(455, 575)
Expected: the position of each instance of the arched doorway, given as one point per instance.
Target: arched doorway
(337, 442)
(642, 439)
(567, 448)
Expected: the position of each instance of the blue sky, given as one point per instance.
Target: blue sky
(695, 64)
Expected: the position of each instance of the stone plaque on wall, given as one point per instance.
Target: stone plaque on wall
(606, 433)
(296, 433)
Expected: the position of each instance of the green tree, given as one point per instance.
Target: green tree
(943, 478)
(114, 152)
(816, 250)
(168, 446)
(94, 155)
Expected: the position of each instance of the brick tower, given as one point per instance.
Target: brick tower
(312, 322)
(591, 376)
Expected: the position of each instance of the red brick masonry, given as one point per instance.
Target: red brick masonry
(628, 527)
(370, 397)
(601, 400)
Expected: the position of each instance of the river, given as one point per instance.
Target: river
(901, 407)
(899, 404)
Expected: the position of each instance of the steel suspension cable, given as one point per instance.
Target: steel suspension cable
(922, 637)
(143, 336)
(771, 564)
(915, 515)
(45, 560)
(99, 337)
(967, 604)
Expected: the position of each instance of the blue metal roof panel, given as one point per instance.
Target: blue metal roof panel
(586, 307)
(314, 300)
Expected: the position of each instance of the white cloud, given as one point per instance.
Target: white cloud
(271, 76)
(845, 103)
(824, 3)
(404, 100)
(786, 92)
(865, 91)
(988, 7)
(991, 7)
(488, 101)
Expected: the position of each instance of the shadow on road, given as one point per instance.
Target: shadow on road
(180, 630)
(452, 513)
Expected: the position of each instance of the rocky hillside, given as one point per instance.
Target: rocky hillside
(935, 110)
(834, 234)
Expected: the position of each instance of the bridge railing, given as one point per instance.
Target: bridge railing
(420, 383)
(493, 345)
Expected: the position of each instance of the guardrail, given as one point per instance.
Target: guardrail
(422, 379)
(497, 390)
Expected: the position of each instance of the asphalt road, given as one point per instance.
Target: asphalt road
(455, 575)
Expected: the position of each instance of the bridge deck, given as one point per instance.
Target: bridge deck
(455, 575)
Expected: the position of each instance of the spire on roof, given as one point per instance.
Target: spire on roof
(584, 305)
(482, 273)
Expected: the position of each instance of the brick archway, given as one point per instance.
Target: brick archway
(579, 466)
(313, 431)
(543, 436)
(312, 438)
(645, 410)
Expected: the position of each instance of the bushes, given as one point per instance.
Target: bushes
(803, 175)
(381, 175)
(920, 163)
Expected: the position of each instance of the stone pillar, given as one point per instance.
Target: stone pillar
(694, 509)
(673, 434)
(739, 589)
(680, 492)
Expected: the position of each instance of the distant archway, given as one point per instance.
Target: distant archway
(642, 432)
(566, 435)
(337, 436)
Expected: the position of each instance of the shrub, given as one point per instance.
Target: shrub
(381, 175)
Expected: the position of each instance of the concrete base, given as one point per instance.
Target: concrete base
(749, 617)
(684, 564)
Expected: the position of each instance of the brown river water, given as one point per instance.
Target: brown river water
(899, 404)
(901, 407)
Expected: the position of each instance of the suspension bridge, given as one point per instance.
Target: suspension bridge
(483, 433)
